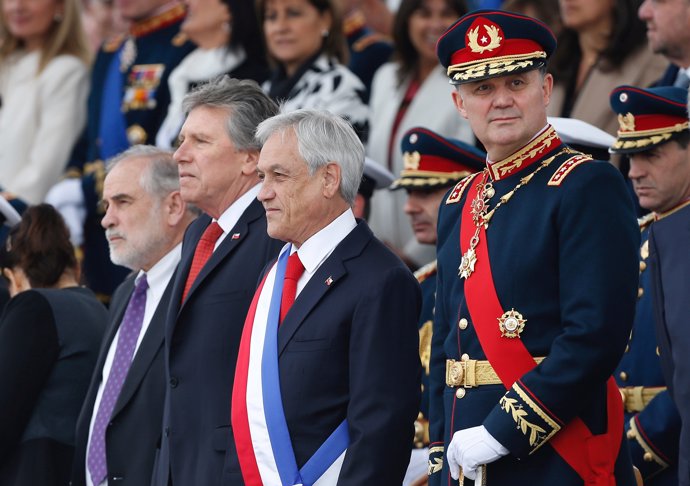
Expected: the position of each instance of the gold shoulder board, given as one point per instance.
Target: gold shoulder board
(459, 188)
(114, 43)
(566, 167)
(367, 41)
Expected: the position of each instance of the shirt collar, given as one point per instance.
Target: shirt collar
(230, 216)
(319, 246)
(159, 274)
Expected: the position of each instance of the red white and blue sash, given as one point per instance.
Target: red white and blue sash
(261, 434)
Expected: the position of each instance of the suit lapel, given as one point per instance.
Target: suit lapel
(325, 279)
(232, 240)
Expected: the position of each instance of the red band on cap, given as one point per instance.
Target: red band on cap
(655, 122)
(512, 47)
(434, 163)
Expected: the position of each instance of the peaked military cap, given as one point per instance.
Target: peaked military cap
(432, 161)
(648, 117)
(583, 136)
(488, 43)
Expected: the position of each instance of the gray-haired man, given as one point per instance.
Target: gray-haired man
(145, 219)
(223, 254)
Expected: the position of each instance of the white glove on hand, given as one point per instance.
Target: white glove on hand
(68, 198)
(471, 448)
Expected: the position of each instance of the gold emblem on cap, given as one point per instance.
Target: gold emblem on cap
(511, 324)
(493, 41)
(411, 160)
(626, 122)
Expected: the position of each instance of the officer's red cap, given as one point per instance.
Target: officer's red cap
(432, 161)
(488, 43)
(648, 117)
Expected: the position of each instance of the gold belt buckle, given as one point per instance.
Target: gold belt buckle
(454, 372)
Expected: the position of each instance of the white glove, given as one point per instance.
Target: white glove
(68, 198)
(470, 448)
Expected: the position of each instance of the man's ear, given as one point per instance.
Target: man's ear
(547, 87)
(331, 180)
(459, 102)
(249, 163)
(175, 208)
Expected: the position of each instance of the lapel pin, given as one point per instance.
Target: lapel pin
(329, 281)
(235, 236)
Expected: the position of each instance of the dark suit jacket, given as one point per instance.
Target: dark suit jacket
(349, 348)
(133, 436)
(202, 340)
(669, 264)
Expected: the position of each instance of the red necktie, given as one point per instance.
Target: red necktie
(293, 272)
(204, 250)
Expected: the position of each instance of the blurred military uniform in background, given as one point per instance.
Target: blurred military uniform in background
(128, 101)
(649, 119)
(432, 164)
(369, 49)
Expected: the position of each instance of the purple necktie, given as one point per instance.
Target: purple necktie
(126, 343)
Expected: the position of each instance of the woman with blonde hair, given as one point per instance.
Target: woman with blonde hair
(44, 61)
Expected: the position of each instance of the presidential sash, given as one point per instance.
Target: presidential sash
(593, 457)
(259, 425)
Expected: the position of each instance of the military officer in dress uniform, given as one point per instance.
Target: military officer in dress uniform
(654, 135)
(432, 164)
(536, 281)
(369, 49)
(127, 104)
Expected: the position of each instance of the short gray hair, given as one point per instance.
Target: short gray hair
(162, 176)
(322, 137)
(247, 106)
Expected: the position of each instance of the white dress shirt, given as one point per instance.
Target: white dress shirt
(319, 246)
(232, 215)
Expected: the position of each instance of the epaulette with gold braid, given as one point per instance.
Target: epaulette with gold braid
(369, 40)
(459, 188)
(425, 272)
(646, 220)
(114, 43)
(566, 167)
